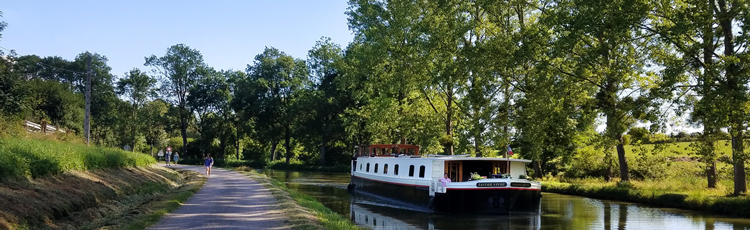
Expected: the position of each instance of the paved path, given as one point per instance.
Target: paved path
(228, 200)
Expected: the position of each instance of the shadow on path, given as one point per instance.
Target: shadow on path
(228, 200)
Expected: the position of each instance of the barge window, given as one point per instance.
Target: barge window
(395, 170)
(385, 169)
(368, 167)
(360, 167)
(411, 171)
(421, 171)
(376, 167)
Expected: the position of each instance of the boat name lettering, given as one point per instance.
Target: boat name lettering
(520, 184)
(492, 184)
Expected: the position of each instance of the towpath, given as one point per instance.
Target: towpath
(228, 200)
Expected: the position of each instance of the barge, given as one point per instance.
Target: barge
(476, 185)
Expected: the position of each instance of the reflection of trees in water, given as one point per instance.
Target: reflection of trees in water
(623, 214)
(567, 212)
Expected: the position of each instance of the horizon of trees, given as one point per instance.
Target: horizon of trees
(452, 76)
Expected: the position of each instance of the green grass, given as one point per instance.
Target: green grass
(683, 149)
(673, 194)
(35, 158)
(325, 217)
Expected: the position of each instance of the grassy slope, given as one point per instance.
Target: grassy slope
(50, 184)
(35, 158)
(81, 199)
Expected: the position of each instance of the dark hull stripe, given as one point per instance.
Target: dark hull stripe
(454, 201)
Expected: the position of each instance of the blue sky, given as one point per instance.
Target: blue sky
(228, 33)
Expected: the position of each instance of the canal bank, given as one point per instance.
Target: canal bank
(558, 211)
(725, 205)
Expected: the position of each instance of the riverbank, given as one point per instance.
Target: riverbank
(303, 211)
(122, 198)
(652, 193)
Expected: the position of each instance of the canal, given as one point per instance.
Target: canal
(557, 211)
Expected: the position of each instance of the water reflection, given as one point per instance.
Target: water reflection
(557, 211)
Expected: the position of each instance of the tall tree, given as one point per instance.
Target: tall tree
(179, 70)
(325, 102)
(210, 98)
(604, 47)
(277, 78)
(694, 33)
(392, 68)
(137, 86)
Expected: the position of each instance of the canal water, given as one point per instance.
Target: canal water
(557, 211)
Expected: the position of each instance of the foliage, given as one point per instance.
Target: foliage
(35, 158)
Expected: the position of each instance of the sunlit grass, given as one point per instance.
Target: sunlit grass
(35, 158)
(685, 193)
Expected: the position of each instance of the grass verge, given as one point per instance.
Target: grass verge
(303, 211)
(706, 200)
(153, 211)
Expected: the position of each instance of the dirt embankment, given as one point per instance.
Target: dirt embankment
(107, 198)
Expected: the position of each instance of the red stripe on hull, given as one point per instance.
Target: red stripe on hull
(424, 186)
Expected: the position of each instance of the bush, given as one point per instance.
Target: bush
(35, 158)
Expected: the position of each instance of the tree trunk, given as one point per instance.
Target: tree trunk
(711, 174)
(477, 150)
(274, 142)
(708, 61)
(223, 147)
(608, 172)
(448, 148)
(740, 184)
(537, 169)
(734, 87)
(624, 175)
(323, 150)
(237, 148)
(287, 144)
(183, 130)
(134, 126)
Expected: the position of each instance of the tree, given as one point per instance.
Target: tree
(639, 135)
(275, 79)
(324, 101)
(391, 71)
(694, 32)
(604, 47)
(210, 98)
(179, 70)
(137, 86)
(154, 114)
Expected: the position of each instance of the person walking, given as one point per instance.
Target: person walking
(208, 162)
(166, 158)
(176, 158)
